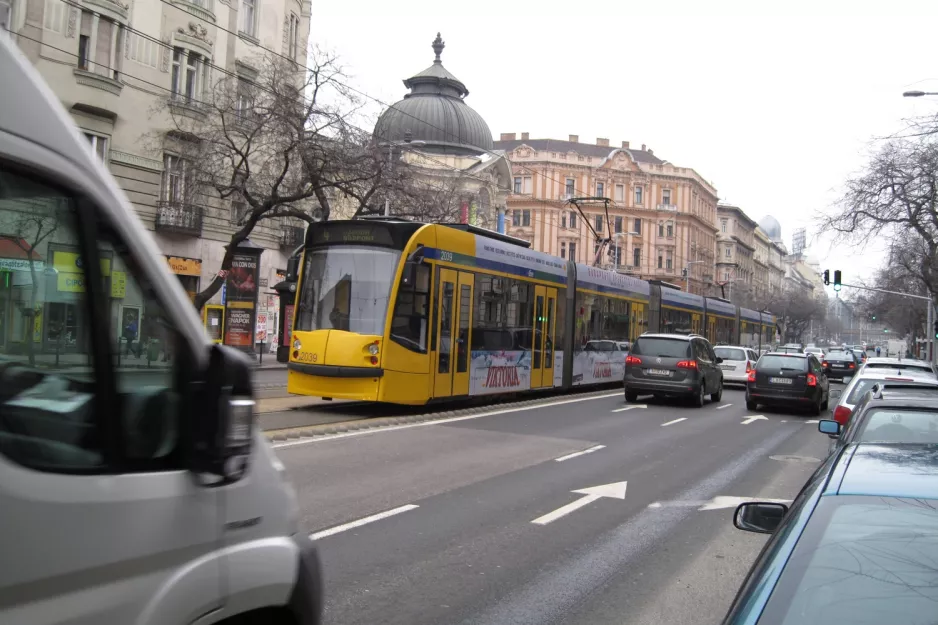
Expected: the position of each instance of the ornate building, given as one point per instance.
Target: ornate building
(661, 218)
(735, 249)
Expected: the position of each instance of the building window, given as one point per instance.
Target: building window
(670, 230)
(727, 252)
(638, 196)
(563, 219)
(638, 226)
(573, 220)
(563, 249)
(185, 75)
(245, 103)
(6, 17)
(660, 230)
(54, 16)
(599, 223)
(637, 257)
(177, 175)
(600, 190)
(669, 263)
(84, 39)
(98, 145)
(521, 217)
(620, 193)
(526, 217)
(617, 255)
(527, 185)
(723, 225)
(618, 225)
(570, 187)
(239, 210)
(666, 196)
(517, 184)
(726, 276)
(660, 261)
(248, 8)
(294, 36)
(572, 258)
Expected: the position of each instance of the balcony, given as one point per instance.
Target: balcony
(292, 236)
(178, 218)
(669, 208)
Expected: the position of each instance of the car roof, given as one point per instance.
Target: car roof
(663, 335)
(886, 470)
(884, 374)
(734, 347)
(802, 354)
(879, 360)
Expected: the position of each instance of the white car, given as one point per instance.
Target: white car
(899, 366)
(737, 361)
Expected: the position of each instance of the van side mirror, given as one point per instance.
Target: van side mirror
(293, 269)
(223, 431)
(760, 517)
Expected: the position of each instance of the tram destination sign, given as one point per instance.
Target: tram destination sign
(351, 233)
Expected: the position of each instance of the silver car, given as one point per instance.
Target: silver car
(737, 362)
(900, 365)
(863, 381)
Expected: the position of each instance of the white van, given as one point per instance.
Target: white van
(128, 495)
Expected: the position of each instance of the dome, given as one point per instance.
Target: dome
(435, 112)
(771, 227)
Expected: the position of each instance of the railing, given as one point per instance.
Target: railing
(291, 236)
(179, 218)
(671, 208)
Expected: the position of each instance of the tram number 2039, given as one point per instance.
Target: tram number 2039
(446, 256)
(307, 357)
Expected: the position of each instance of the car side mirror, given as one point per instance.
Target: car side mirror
(719, 360)
(829, 427)
(758, 516)
(223, 431)
(293, 268)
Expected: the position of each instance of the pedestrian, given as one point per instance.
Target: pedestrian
(130, 334)
(877, 351)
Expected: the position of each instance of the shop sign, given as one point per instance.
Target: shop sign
(119, 284)
(19, 264)
(70, 282)
(184, 266)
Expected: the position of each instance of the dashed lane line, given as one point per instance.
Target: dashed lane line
(579, 453)
(724, 406)
(365, 521)
(673, 422)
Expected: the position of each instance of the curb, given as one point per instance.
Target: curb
(380, 423)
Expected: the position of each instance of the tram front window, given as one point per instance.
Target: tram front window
(346, 288)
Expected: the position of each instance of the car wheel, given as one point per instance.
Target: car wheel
(751, 405)
(700, 399)
(715, 397)
(631, 397)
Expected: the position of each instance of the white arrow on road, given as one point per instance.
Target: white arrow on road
(591, 494)
(630, 408)
(756, 417)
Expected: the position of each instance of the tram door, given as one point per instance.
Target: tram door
(454, 332)
(542, 352)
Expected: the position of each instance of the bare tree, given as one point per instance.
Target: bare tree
(282, 144)
(797, 310)
(901, 315)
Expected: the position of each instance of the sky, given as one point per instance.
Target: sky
(775, 105)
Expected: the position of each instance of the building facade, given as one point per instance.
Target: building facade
(658, 219)
(735, 259)
(123, 69)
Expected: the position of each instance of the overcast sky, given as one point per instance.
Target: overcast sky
(774, 106)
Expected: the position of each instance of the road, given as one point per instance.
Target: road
(500, 519)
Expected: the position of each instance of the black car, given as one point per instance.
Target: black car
(890, 412)
(788, 380)
(668, 365)
(840, 364)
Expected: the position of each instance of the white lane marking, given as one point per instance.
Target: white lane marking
(673, 422)
(677, 504)
(724, 406)
(630, 408)
(391, 428)
(784, 420)
(364, 521)
(591, 494)
(811, 421)
(757, 417)
(579, 453)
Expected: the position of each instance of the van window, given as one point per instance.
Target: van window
(668, 348)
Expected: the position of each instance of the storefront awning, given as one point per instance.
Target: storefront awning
(15, 257)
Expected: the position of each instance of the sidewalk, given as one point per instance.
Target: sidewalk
(294, 402)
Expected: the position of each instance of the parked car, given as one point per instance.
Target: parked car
(890, 412)
(673, 365)
(846, 399)
(737, 362)
(125, 497)
(900, 365)
(788, 379)
(858, 544)
(839, 364)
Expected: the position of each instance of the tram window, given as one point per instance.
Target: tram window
(409, 324)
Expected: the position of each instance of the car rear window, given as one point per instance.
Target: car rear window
(900, 366)
(783, 362)
(899, 425)
(669, 348)
(859, 389)
(861, 560)
(730, 353)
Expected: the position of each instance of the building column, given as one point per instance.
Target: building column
(112, 62)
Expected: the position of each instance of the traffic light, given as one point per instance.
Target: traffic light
(936, 329)
(874, 316)
(827, 277)
(837, 279)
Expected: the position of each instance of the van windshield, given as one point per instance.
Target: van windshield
(669, 348)
(346, 287)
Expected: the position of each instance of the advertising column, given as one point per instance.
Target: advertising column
(241, 287)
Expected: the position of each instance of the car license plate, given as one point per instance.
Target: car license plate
(837, 365)
(657, 372)
(780, 380)
(728, 367)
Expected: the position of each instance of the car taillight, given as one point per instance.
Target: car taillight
(752, 375)
(850, 365)
(633, 360)
(686, 364)
(748, 366)
(812, 379)
(842, 414)
(825, 364)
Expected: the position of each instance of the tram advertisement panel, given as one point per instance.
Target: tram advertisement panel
(595, 367)
(499, 372)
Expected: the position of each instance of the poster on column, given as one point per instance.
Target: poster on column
(241, 283)
(499, 372)
(239, 327)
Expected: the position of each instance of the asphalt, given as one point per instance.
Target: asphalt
(459, 546)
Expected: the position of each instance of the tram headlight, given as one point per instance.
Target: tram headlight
(373, 349)
(297, 344)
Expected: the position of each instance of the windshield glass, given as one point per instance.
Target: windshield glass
(862, 560)
(900, 366)
(783, 362)
(899, 426)
(346, 288)
(730, 353)
(669, 348)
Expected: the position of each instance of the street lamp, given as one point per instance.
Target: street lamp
(407, 143)
(917, 94)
